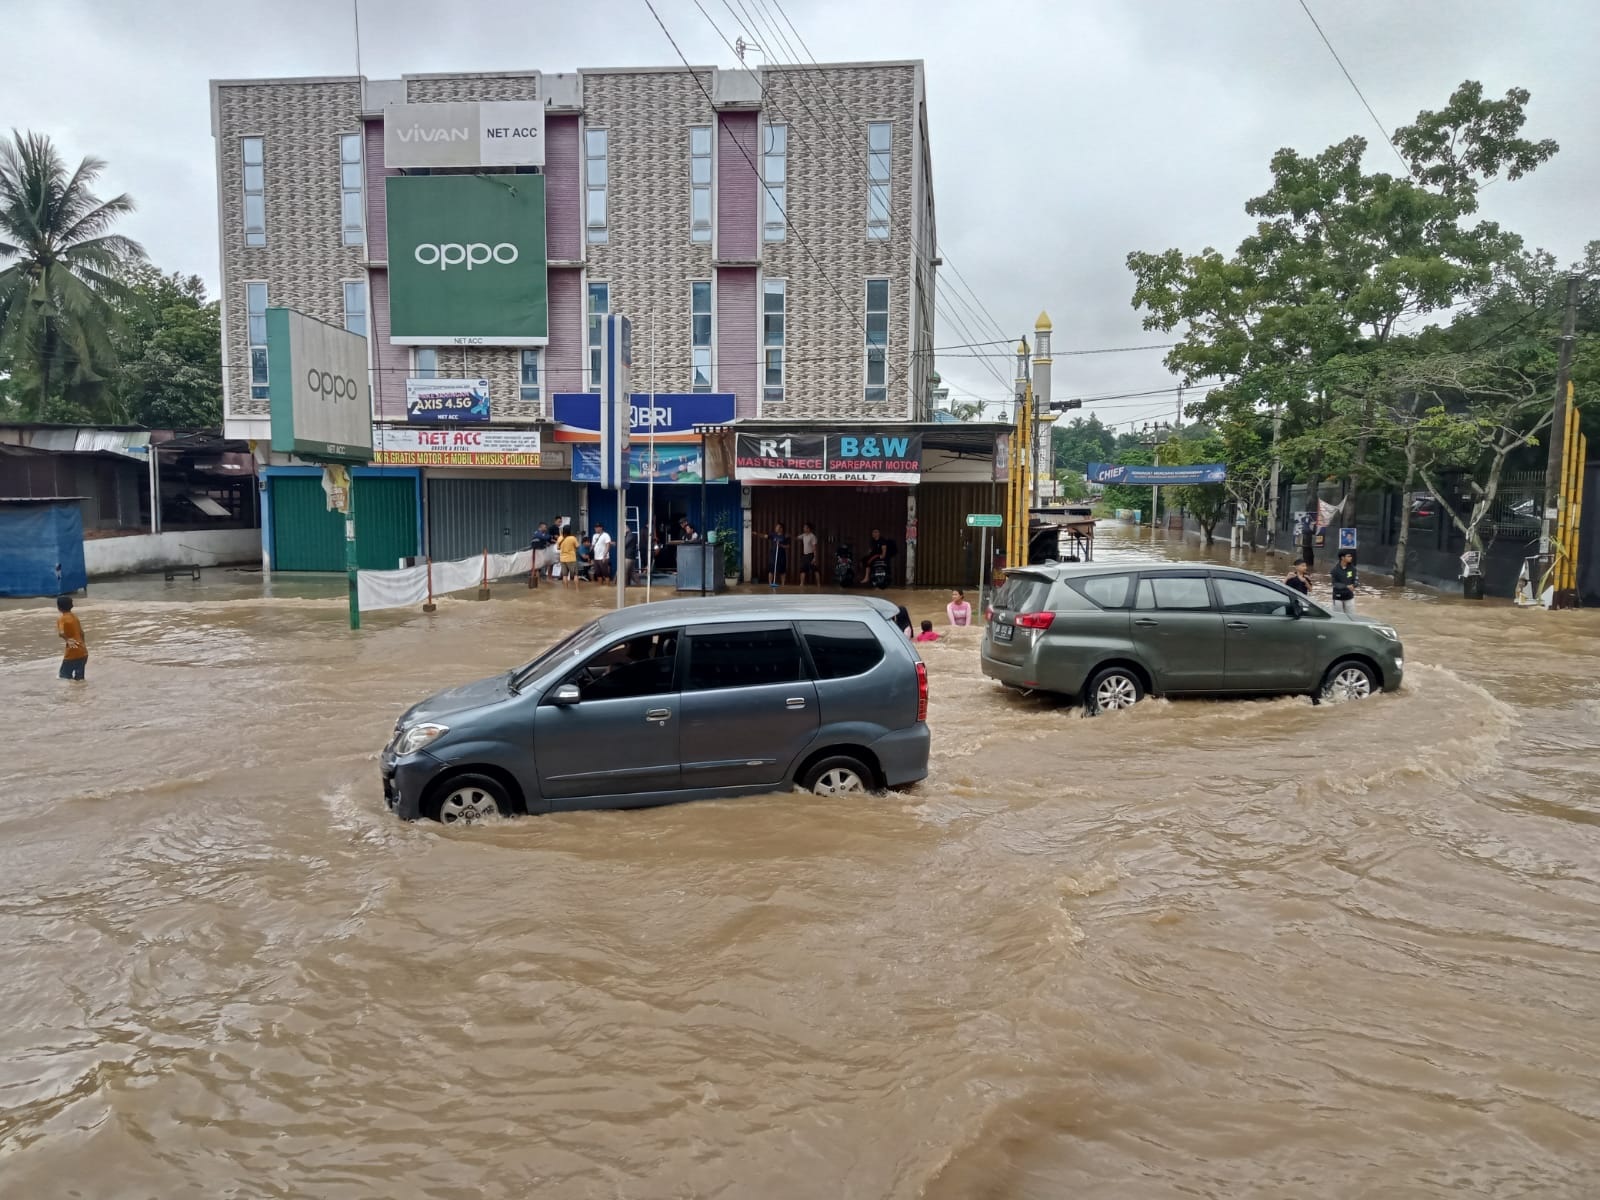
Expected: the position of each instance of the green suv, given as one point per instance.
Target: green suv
(1111, 635)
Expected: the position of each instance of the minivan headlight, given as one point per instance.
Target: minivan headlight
(420, 735)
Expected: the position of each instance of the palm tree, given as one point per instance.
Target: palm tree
(60, 272)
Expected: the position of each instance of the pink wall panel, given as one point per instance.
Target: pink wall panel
(736, 337)
(562, 170)
(738, 189)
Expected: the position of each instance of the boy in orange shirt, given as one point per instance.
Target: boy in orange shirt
(70, 630)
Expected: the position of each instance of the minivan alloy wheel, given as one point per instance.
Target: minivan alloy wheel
(838, 781)
(1348, 682)
(841, 775)
(467, 804)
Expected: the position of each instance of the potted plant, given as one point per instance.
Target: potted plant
(724, 537)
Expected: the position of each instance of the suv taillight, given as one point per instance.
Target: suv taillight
(922, 691)
(1038, 620)
(988, 614)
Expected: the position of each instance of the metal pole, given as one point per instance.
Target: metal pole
(1272, 500)
(618, 540)
(1553, 460)
(1155, 493)
(155, 489)
(647, 536)
(705, 562)
(350, 562)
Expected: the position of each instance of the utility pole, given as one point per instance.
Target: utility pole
(1554, 460)
(1272, 498)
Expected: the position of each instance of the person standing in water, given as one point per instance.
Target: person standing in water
(777, 555)
(1345, 583)
(75, 657)
(958, 610)
(1299, 579)
(808, 555)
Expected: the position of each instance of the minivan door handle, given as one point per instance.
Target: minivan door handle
(1146, 622)
(795, 702)
(1242, 626)
(658, 714)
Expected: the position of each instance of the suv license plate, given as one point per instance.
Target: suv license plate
(1002, 633)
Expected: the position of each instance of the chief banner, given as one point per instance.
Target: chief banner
(412, 447)
(830, 458)
(441, 400)
(1136, 476)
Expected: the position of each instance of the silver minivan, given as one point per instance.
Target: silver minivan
(680, 700)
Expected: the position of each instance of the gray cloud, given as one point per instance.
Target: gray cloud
(1064, 134)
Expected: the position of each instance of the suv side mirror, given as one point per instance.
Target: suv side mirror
(567, 693)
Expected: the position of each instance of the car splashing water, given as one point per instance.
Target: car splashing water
(1195, 949)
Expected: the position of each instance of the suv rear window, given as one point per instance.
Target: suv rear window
(841, 648)
(1022, 593)
(1108, 591)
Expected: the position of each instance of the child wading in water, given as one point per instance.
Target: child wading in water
(70, 630)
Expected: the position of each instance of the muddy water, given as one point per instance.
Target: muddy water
(1198, 949)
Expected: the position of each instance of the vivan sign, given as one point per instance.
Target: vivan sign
(491, 133)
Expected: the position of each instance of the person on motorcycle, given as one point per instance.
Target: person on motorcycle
(879, 549)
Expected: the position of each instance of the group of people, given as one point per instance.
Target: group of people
(1342, 577)
(560, 553)
(776, 561)
(958, 610)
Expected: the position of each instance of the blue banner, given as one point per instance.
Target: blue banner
(1162, 476)
(438, 400)
(673, 463)
(675, 414)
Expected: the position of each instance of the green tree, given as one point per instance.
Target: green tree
(1081, 441)
(61, 272)
(169, 341)
(1206, 502)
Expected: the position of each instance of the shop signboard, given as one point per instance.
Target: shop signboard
(435, 401)
(321, 405)
(1138, 476)
(672, 415)
(829, 458)
(487, 133)
(467, 264)
(415, 446)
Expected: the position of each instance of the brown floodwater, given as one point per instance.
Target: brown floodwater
(1237, 949)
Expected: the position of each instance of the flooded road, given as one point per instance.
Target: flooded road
(1244, 949)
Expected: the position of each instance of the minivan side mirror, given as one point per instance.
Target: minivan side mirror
(567, 693)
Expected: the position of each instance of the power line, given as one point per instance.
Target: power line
(1356, 86)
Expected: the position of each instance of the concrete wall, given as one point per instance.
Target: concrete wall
(151, 552)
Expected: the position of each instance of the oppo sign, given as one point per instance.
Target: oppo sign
(445, 255)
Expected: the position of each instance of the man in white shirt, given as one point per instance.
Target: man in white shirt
(602, 553)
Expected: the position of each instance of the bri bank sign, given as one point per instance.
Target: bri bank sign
(671, 416)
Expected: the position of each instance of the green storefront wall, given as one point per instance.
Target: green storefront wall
(307, 537)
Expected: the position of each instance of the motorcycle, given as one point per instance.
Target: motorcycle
(878, 574)
(844, 565)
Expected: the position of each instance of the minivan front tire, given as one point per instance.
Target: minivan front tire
(1113, 688)
(1348, 679)
(840, 775)
(468, 799)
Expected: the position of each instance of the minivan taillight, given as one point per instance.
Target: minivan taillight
(1038, 620)
(922, 691)
(988, 614)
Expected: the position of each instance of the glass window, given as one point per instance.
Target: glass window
(254, 150)
(700, 184)
(255, 303)
(877, 390)
(1108, 591)
(599, 306)
(880, 144)
(773, 303)
(425, 362)
(775, 177)
(642, 665)
(1250, 599)
(743, 657)
(1179, 592)
(700, 336)
(1022, 593)
(598, 173)
(840, 649)
(529, 386)
(351, 213)
(355, 306)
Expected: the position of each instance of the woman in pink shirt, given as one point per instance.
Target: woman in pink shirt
(960, 612)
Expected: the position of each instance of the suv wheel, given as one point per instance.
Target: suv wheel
(1348, 680)
(839, 776)
(468, 799)
(1113, 688)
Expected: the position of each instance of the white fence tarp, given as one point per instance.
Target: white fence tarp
(408, 587)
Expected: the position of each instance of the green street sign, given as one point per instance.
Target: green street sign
(467, 263)
(985, 520)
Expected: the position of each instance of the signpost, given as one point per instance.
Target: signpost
(985, 522)
(616, 419)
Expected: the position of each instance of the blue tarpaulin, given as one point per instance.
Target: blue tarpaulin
(41, 549)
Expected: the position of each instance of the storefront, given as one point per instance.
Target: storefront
(299, 532)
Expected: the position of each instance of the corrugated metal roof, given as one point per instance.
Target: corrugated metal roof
(134, 445)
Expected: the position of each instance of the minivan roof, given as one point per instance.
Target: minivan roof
(1076, 570)
(743, 608)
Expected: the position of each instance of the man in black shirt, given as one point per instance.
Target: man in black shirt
(1345, 583)
(878, 548)
(1298, 579)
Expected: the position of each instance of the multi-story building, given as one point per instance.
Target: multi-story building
(770, 233)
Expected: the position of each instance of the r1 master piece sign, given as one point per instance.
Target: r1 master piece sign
(317, 381)
(828, 458)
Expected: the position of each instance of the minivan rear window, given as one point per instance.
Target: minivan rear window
(840, 649)
(1108, 591)
(1022, 593)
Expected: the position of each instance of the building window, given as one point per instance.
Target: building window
(529, 389)
(255, 190)
(599, 306)
(877, 340)
(594, 149)
(772, 335)
(700, 183)
(355, 306)
(880, 141)
(425, 362)
(255, 303)
(700, 335)
(775, 175)
(352, 214)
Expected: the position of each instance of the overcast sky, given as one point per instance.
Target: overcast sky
(1065, 134)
